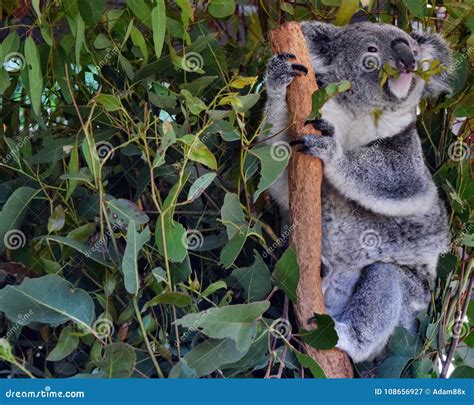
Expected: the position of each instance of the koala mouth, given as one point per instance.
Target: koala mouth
(400, 86)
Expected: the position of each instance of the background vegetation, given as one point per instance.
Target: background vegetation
(126, 124)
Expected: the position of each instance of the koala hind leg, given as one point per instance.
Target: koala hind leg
(371, 313)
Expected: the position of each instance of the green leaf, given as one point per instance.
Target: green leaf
(393, 366)
(221, 8)
(206, 358)
(311, 364)
(73, 169)
(200, 185)
(417, 8)
(175, 239)
(237, 322)
(462, 372)
(79, 247)
(35, 75)
(171, 298)
(158, 23)
(57, 219)
(135, 242)
(273, 161)
(159, 274)
(91, 10)
(67, 343)
(49, 299)
(232, 249)
(255, 280)
(287, 274)
(118, 360)
(14, 212)
(345, 12)
(141, 9)
(198, 152)
(218, 285)
(232, 215)
(122, 211)
(195, 104)
(79, 34)
(139, 40)
(109, 102)
(324, 337)
(321, 96)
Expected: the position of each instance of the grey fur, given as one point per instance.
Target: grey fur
(384, 224)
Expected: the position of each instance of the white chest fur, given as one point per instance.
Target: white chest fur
(354, 130)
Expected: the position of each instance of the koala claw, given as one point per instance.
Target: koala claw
(286, 55)
(326, 128)
(281, 72)
(299, 68)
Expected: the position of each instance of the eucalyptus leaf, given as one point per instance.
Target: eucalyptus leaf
(49, 299)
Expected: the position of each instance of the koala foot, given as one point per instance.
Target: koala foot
(281, 72)
(320, 146)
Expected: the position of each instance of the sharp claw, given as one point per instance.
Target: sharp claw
(286, 55)
(300, 68)
(297, 142)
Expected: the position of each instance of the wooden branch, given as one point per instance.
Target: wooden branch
(305, 176)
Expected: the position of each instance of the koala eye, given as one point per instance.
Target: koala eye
(372, 49)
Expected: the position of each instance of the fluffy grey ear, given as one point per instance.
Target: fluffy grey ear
(320, 39)
(434, 47)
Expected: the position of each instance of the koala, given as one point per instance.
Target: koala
(384, 224)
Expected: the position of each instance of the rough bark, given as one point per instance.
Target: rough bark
(305, 176)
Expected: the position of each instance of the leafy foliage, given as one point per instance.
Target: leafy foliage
(136, 237)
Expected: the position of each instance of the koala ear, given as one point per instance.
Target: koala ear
(320, 39)
(434, 47)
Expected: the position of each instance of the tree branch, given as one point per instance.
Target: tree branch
(305, 176)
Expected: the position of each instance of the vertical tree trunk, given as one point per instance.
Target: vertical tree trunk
(305, 176)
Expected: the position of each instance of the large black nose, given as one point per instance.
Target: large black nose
(403, 55)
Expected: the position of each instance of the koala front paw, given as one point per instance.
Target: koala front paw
(280, 72)
(324, 126)
(320, 146)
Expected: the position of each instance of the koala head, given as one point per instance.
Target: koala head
(359, 52)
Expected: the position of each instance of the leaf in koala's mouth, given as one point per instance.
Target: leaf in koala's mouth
(401, 85)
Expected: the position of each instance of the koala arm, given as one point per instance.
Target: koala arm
(280, 73)
(387, 176)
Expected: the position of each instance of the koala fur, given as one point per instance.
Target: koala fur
(384, 224)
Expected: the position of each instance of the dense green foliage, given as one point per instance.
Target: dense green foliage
(135, 234)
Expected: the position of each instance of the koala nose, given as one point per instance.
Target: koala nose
(403, 55)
